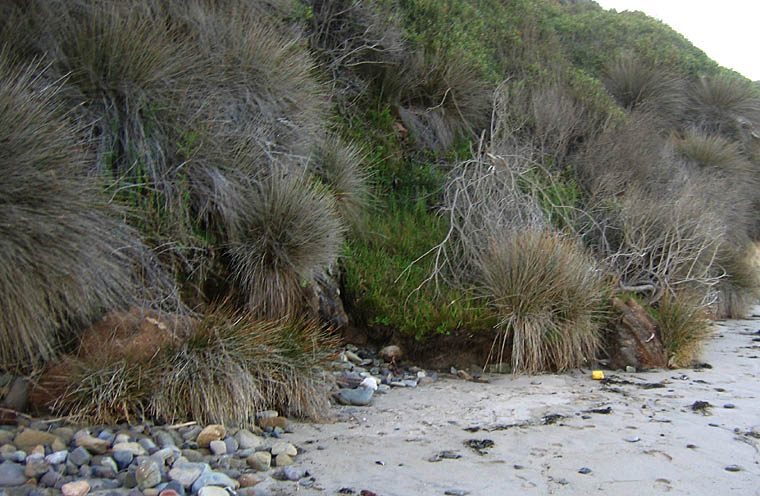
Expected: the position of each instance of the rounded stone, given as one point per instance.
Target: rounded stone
(283, 460)
(185, 474)
(76, 488)
(284, 447)
(135, 448)
(261, 461)
(218, 447)
(246, 439)
(92, 444)
(57, 457)
(11, 474)
(148, 474)
(79, 456)
(213, 432)
(249, 480)
(212, 491)
(29, 438)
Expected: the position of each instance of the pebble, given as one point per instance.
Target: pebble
(290, 473)
(186, 474)
(135, 448)
(122, 458)
(733, 468)
(247, 440)
(729, 405)
(148, 474)
(77, 488)
(92, 444)
(11, 474)
(213, 479)
(284, 447)
(213, 432)
(79, 456)
(36, 467)
(584, 470)
(261, 461)
(218, 447)
(283, 459)
(212, 491)
(57, 457)
(250, 479)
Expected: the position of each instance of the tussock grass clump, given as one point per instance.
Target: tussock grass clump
(636, 84)
(106, 393)
(549, 294)
(440, 98)
(684, 327)
(227, 367)
(627, 153)
(359, 36)
(722, 103)
(290, 231)
(341, 167)
(739, 289)
(234, 365)
(715, 153)
(67, 259)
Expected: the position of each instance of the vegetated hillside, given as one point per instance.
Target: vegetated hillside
(458, 167)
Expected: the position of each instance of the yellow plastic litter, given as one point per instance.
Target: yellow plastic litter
(597, 375)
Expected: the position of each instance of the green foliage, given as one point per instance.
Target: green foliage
(593, 37)
(386, 291)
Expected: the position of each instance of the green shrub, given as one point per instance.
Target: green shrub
(684, 327)
(387, 291)
(67, 258)
(290, 230)
(549, 295)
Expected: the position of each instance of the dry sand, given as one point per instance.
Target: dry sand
(651, 442)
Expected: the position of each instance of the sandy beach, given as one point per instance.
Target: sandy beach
(687, 431)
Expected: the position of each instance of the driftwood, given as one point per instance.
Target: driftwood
(635, 338)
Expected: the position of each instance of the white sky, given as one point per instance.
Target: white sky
(728, 31)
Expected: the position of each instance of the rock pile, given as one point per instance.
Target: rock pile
(355, 366)
(143, 460)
